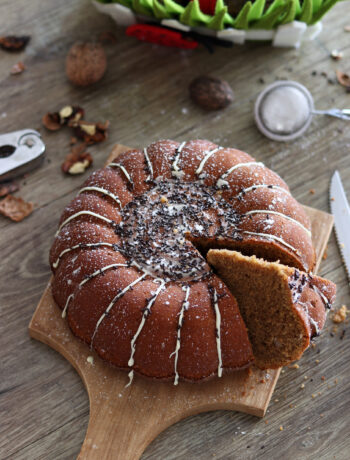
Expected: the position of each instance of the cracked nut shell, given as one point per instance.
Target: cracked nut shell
(211, 93)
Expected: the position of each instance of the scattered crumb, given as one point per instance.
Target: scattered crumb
(305, 377)
(340, 315)
(313, 395)
(291, 406)
(295, 366)
(302, 386)
(325, 254)
(163, 199)
(266, 422)
(336, 55)
(312, 191)
(321, 415)
(276, 400)
(347, 28)
(17, 68)
(90, 359)
(317, 361)
(281, 428)
(323, 378)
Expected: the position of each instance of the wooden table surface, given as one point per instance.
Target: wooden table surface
(43, 405)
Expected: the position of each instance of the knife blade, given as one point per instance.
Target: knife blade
(341, 213)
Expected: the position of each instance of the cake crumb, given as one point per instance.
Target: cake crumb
(266, 422)
(317, 361)
(323, 378)
(313, 395)
(295, 366)
(163, 199)
(340, 315)
(281, 428)
(90, 359)
(312, 191)
(302, 386)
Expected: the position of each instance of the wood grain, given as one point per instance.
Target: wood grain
(43, 404)
(118, 413)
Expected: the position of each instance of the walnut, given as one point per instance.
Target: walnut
(211, 93)
(77, 161)
(86, 63)
(67, 115)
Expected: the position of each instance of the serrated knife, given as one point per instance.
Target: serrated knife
(341, 213)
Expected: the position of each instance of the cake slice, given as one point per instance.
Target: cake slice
(283, 308)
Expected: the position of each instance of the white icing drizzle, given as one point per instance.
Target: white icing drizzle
(100, 271)
(80, 246)
(184, 307)
(254, 187)
(222, 179)
(218, 332)
(205, 159)
(111, 305)
(265, 211)
(103, 191)
(131, 377)
(311, 320)
(175, 170)
(88, 278)
(123, 169)
(145, 315)
(149, 165)
(323, 297)
(69, 298)
(272, 237)
(81, 213)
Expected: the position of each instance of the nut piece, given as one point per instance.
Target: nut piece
(86, 63)
(67, 115)
(15, 208)
(17, 68)
(344, 79)
(14, 43)
(90, 133)
(7, 188)
(77, 161)
(211, 93)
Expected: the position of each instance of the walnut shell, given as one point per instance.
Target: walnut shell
(86, 63)
(211, 93)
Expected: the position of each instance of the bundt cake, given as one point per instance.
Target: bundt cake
(129, 261)
(282, 307)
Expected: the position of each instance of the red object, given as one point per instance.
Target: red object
(160, 36)
(207, 6)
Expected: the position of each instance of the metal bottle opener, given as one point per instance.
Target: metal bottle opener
(20, 152)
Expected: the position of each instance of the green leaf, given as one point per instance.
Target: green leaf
(173, 7)
(159, 10)
(316, 4)
(306, 11)
(218, 21)
(256, 10)
(327, 5)
(275, 5)
(241, 21)
(192, 15)
(290, 13)
(268, 21)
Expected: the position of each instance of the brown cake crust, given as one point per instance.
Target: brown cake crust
(136, 326)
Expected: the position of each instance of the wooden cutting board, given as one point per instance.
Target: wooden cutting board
(123, 421)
